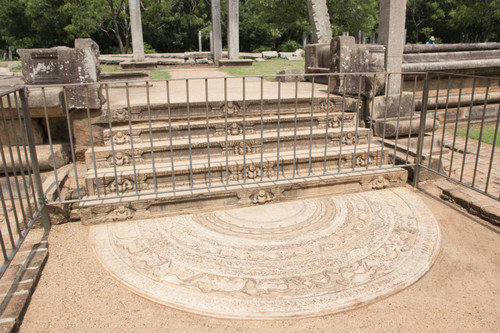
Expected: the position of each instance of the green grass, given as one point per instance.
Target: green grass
(17, 69)
(475, 130)
(159, 75)
(268, 67)
(109, 68)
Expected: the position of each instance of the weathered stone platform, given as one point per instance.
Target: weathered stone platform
(287, 260)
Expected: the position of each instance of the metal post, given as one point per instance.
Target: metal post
(34, 161)
(421, 130)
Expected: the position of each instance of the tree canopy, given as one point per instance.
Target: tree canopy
(173, 25)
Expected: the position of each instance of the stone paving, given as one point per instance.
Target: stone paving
(294, 259)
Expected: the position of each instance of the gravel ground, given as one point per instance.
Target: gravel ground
(461, 292)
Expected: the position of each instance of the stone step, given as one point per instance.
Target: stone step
(219, 109)
(147, 206)
(217, 127)
(143, 153)
(240, 169)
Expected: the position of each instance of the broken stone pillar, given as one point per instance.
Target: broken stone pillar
(216, 31)
(62, 66)
(349, 57)
(320, 21)
(392, 35)
(233, 35)
(136, 27)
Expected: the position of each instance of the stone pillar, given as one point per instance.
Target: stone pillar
(211, 42)
(320, 21)
(136, 27)
(392, 35)
(233, 26)
(216, 31)
(200, 46)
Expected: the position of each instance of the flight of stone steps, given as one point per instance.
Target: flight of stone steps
(228, 153)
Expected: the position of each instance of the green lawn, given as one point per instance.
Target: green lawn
(475, 130)
(159, 75)
(268, 67)
(154, 75)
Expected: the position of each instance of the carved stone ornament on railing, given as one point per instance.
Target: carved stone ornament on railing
(335, 122)
(120, 159)
(252, 171)
(235, 129)
(120, 138)
(348, 138)
(379, 183)
(326, 106)
(120, 115)
(121, 214)
(123, 186)
(231, 109)
(261, 197)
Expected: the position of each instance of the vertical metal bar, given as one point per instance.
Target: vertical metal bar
(356, 125)
(34, 162)
(492, 152)
(21, 131)
(295, 129)
(112, 144)
(6, 215)
(21, 164)
(244, 135)
(421, 132)
(371, 122)
(170, 134)
(13, 172)
(456, 127)
(208, 134)
(411, 119)
(468, 129)
(435, 116)
(445, 120)
(49, 134)
(72, 146)
(398, 121)
(132, 150)
(311, 126)
(151, 137)
(341, 141)
(388, 80)
(225, 130)
(483, 116)
(261, 127)
(189, 135)
(325, 152)
(278, 132)
(9, 188)
(92, 140)
(4, 250)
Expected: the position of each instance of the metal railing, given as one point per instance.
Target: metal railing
(194, 134)
(465, 104)
(177, 135)
(21, 194)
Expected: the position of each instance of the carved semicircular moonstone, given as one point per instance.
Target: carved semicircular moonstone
(293, 259)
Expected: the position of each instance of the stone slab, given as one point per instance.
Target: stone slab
(132, 206)
(235, 62)
(45, 156)
(273, 261)
(485, 207)
(402, 127)
(127, 65)
(391, 106)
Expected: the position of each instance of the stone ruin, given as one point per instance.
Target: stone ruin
(343, 55)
